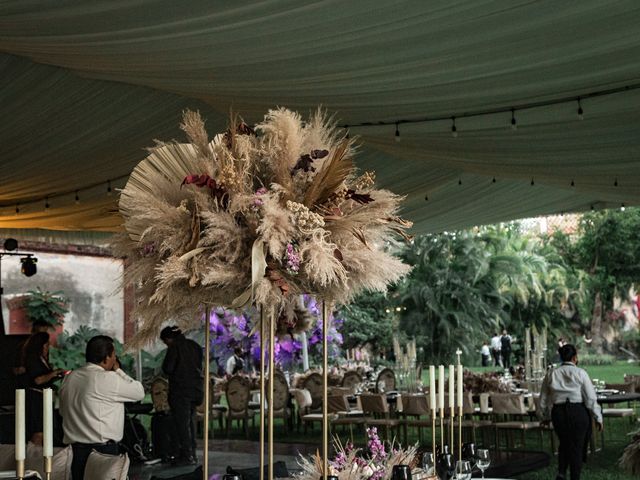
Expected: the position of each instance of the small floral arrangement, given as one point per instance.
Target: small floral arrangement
(350, 463)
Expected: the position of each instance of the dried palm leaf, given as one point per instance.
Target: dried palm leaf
(331, 176)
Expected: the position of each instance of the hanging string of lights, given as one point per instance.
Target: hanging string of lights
(512, 109)
(48, 199)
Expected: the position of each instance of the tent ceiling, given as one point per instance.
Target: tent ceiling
(86, 86)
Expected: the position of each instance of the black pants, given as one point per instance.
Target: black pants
(485, 360)
(183, 411)
(572, 424)
(81, 452)
(496, 357)
(506, 358)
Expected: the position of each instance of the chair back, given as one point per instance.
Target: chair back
(313, 383)
(302, 398)
(340, 391)
(623, 387)
(337, 404)
(415, 405)
(484, 403)
(634, 380)
(238, 393)
(374, 403)
(280, 391)
(160, 394)
(388, 378)
(351, 380)
(508, 404)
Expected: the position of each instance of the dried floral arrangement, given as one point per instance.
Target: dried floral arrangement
(375, 463)
(255, 216)
(630, 460)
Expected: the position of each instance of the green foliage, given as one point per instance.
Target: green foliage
(367, 322)
(596, 359)
(49, 307)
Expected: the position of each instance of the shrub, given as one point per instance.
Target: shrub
(595, 359)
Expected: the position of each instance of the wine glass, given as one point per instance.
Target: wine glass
(428, 463)
(483, 460)
(463, 470)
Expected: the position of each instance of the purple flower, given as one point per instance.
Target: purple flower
(292, 259)
(257, 201)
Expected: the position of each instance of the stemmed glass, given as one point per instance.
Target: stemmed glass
(428, 463)
(483, 460)
(463, 470)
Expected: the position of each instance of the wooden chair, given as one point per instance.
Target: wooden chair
(238, 396)
(387, 378)
(511, 414)
(341, 413)
(376, 411)
(313, 383)
(351, 380)
(414, 408)
(281, 399)
(303, 401)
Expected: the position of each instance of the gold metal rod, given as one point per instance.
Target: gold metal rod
(433, 434)
(48, 467)
(272, 368)
(20, 469)
(442, 427)
(263, 370)
(459, 433)
(207, 397)
(325, 391)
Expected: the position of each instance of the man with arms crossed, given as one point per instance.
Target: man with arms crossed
(92, 402)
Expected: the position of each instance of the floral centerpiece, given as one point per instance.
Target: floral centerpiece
(255, 216)
(376, 463)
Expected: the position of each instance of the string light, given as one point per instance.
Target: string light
(580, 111)
(573, 184)
(615, 182)
(459, 181)
(17, 209)
(454, 130)
(532, 182)
(622, 208)
(46, 205)
(426, 198)
(397, 133)
(77, 200)
(493, 180)
(592, 207)
(514, 124)
(109, 190)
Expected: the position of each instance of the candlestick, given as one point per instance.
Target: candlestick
(458, 353)
(20, 445)
(432, 388)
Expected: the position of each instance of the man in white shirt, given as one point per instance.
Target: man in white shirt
(485, 353)
(92, 402)
(496, 345)
(235, 363)
(568, 399)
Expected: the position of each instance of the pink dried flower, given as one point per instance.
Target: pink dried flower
(292, 259)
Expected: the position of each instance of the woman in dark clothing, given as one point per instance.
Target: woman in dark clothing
(38, 375)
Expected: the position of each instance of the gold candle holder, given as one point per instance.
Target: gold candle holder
(263, 370)
(452, 413)
(48, 467)
(433, 433)
(20, 469)
(207, 396)
(442, 426)
(459, 433)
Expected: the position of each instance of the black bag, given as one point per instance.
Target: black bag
(161, 428)
(279, 471)
(135, 440)
(195, 475)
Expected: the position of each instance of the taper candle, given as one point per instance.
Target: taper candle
(20, 426)
(460, 387)
(441, 389)
(47, 422)
(452, 379)
(432, 387)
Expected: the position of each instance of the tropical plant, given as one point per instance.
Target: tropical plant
(45, 306)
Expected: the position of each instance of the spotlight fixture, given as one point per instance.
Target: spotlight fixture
(10, 244)
(454, 130)
(580, 111)
(514, 124)
(29, 268)
(397, 133)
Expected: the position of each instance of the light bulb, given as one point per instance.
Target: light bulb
(397, 133)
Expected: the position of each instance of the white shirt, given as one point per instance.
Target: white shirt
(92, 404)
(231, 365)
(496, 344)
(484, 351)
(568, 382)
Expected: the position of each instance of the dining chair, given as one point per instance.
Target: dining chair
(376, 412)
(511, 414)
(238, 393)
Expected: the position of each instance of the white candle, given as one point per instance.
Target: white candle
(20, 426)
(441, 389)
(432, 387)
(460, 386)
(452, 379)
(47, 420)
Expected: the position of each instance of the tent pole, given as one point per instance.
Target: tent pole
(325, 392)
(262, 387)
(272, 368)
(207, 398)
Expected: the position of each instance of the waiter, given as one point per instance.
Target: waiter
(569, 400)
(183, 366)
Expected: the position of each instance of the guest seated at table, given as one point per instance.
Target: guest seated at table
(183, 366)
(38, 375)
(92, 402)
(567, 398)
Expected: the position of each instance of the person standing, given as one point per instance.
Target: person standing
(568, 399)
(505, 349)
(235, 363)
(92, 402)
(183, 367)
(496, 345)
(486, 354)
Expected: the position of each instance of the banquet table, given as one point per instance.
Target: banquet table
(618, 398)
